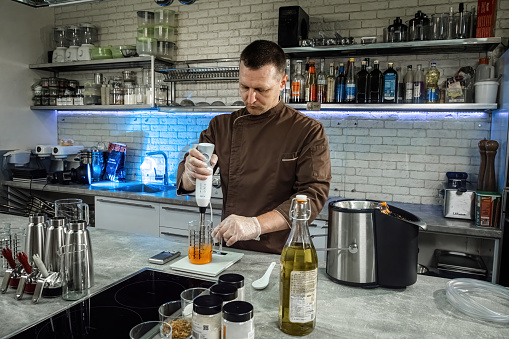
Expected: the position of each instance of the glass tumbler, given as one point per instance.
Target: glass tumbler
(73, 271)
(187, 297)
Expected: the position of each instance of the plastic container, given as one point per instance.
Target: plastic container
(225, 291)
(238, 322)
(486, 91)
(207, 317)
(99, 53)
(236, 280)
(164, 33)
(165, 49)
(164, 17)
(145, 32)
(145, 18)
(146, 46)
(484, 71)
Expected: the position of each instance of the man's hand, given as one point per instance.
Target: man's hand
(196, 168)
(236, 228)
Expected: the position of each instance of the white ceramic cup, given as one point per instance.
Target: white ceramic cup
(59, 54)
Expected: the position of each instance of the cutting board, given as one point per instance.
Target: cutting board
(219, 263)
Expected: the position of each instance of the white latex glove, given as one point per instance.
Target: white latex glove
(196, 168)
(236, 228)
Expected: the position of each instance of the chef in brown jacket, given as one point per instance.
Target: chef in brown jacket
(267, 153)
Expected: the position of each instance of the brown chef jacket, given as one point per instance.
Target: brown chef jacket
(265, 161)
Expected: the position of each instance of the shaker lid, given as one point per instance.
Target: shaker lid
(37, 218)
(77, 225)
(235, 279)
(57, 222)
(207, 304)
(238, 311)
(226, 291)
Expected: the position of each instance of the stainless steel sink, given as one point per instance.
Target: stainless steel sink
(143, 188)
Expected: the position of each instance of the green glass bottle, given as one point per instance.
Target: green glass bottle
(298, 278)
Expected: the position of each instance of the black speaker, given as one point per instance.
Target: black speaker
(293, 23)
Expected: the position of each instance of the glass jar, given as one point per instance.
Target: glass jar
(162, 95)
(129, 76)
(238, 321)
(92, 94)
(139, 93)
(37, 100)
(73, 84)
(129, 94)
(62, 83)
(45, 82)
(45, 91)
(236, 280)
(207, 316)
(53, 81)
(38, 90)
(45, 100)
(52, 100)
(116, 91)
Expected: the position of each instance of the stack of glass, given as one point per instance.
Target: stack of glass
(145, 42)
(165, 33)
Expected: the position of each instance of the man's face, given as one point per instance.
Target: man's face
(260, 88)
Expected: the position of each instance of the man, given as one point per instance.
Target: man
(267, 153)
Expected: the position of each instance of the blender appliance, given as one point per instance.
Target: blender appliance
(73, 33)
(88, 38)
(61, 44)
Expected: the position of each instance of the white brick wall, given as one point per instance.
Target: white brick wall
(375, 155)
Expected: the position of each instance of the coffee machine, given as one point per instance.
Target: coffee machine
(459, 196)
(293, 24)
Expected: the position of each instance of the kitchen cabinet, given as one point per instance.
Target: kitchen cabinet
(153, 63)
(127, 215)
(174, 218)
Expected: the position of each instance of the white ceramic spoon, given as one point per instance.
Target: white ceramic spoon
(261, 283)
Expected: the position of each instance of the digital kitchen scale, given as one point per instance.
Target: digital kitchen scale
(219, 263)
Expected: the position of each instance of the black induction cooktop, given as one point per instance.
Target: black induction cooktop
(113, 312)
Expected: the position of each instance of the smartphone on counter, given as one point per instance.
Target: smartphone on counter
(164, 257)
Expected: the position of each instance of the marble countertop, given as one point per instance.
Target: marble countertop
(420, 310)
(431, 214)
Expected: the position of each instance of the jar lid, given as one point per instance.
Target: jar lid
(238, 311)
(224, 290)
(207, 304)
(232, 278)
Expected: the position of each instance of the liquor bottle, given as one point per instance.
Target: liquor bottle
(401, 85)
(362, 84)
(340, 96)
(322, 83)
(368, 65)
(419, 89)
(298, 83)
(298, 278)
(409, 85)
(311, 83)
(375, 84)
(350, 82)
(331, 83)
(390, 85)
(432, 76)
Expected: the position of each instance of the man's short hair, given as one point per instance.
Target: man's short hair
(260, 53)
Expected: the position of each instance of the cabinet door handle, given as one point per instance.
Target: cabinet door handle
(167, 233)
(126, 203)
(174, 209)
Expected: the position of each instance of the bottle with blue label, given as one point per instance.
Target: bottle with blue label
(350, 83)
(340, 85)
(432, 76)
(390, 85)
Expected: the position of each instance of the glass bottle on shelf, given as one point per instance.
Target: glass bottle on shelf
(311, 86)
(432, 76)
(322, 83)
(362, 84)
(340, 85)
(298, 279)
(419, 89)
(298, 83)
(350, 82)
(401, 85)
(331, 83)
(375, 83)
(390, 85)
(409, 85)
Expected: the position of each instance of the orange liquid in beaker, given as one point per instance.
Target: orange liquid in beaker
(200, 255)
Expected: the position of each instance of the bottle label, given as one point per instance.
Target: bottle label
(303, 286)
(432, 95)
(390, 87)
(418, 91)
(296, 91)
(209, 328)
(409, 91)
(350, 92)
(340, 93)
(312, 93)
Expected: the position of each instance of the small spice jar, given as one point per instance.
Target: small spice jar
(44, 82)
(238, 322)
(53, 82)
(207, 316)
(236, 280)
(225, 291)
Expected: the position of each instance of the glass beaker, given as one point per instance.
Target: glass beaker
(71, 210)
(73, 271)
(200, 242)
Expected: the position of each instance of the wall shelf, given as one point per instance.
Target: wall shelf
(474, 45)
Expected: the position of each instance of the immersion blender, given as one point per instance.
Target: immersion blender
(203, 190)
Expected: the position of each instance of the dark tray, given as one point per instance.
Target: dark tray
(459, 262)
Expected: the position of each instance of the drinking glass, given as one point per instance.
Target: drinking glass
(200, 242)
(151, 330)
(170, 310)
(73, 271)
(187, 297)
